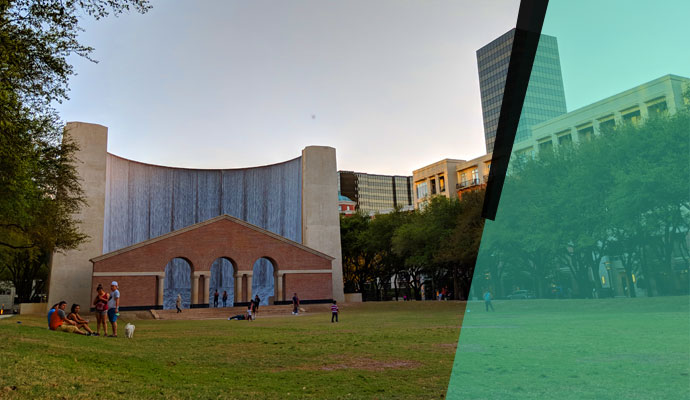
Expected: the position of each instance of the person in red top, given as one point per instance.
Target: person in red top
(101, 304)
(59, 321)
(334, 311)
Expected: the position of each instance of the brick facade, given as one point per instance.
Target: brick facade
(139, 268)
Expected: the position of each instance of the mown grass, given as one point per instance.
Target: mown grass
(575, 349)
(378, 350)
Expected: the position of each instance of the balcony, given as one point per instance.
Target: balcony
(469, 183)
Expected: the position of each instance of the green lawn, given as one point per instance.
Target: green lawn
(575, 349)
(378, 350)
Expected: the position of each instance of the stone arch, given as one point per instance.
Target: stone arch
(178, 280)
(265, 278)
(222, 278)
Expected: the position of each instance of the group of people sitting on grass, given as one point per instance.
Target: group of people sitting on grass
(107, 305)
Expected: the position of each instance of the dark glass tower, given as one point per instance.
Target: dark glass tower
(376, 193)
(545, 97)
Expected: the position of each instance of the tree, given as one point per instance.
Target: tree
(40, 188)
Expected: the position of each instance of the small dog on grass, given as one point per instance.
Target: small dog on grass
(129, 331)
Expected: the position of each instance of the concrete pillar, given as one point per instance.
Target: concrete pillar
(195, 289)
(71, 272)
(207, 289)
(161, 288)
(279, 287)
(238, 287)
(249, 287)
(320, 220)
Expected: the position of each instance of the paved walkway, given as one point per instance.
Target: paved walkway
(224, 313)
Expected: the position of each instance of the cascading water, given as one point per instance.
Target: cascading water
(222, 279)
(262, 280)
(145, 201)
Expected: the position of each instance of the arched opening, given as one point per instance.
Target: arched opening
(178, 273)
(263, 281)
(223, 280)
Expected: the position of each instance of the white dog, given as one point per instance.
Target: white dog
(129, 331)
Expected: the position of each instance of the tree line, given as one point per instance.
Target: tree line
(394, 255)
(606, 217)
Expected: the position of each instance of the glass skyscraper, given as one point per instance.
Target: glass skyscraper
(376, 193)
(545, 97)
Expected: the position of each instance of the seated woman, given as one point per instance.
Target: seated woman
(81, 322)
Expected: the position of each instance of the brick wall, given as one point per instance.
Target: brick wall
(200, 246)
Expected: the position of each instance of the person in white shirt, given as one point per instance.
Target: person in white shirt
(114, 307)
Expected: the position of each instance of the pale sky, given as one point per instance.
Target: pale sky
(392, 85)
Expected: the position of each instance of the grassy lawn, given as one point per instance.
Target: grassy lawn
(378, 350)
(575, 349)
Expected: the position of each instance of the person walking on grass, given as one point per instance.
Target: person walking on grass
(114, 307)
(295, 304)
(215, 299)
(487, 301)
(225, 298)
(178, 303)
(334, 311)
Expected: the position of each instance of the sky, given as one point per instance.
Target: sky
(607, 47)
(392, 85)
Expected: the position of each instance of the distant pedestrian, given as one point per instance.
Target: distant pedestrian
(225, 298)
(487, 301)
(334, 312)
(178, 303)
(295, 304)
(257, 300)
(249, 310)
(215, 299)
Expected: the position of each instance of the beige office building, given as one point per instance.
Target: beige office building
(450, 178)
(661, 95)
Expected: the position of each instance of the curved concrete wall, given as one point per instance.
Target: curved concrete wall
(144, 201)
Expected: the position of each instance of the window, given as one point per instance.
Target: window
(463, 179)
(657, 107)
(546, 145)
(631, 115)
(432, 183)
(564, 138)
(442, 184)
(422, 190)
(475, 176)
(585, 132)
(607, 124)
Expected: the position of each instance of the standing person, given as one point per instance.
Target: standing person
(249, 310)
(334, 311)
(487, 301)
(178, 303)
(114, 307)
(225, 298)
(295, 304)
(215, 299)
(101, 304)
(257, 300)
